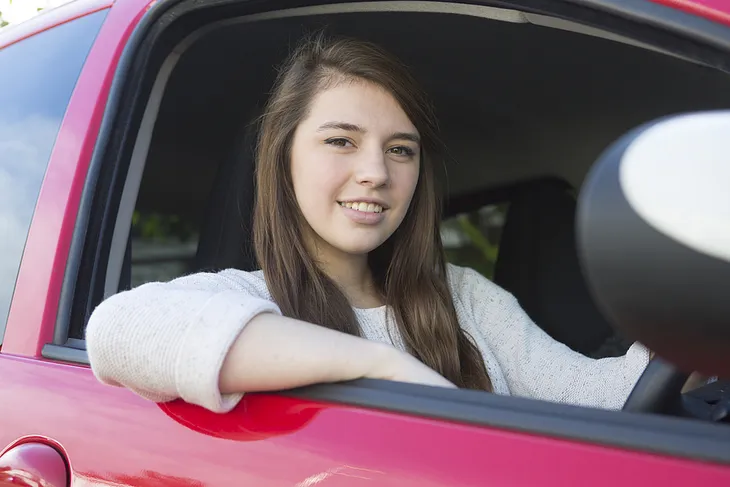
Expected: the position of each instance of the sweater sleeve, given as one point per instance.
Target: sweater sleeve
(168, 341)
(537, 366)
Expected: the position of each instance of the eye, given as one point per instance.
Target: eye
(402, 150)
(338, 142)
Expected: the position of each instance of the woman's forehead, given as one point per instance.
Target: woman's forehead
(362, 105)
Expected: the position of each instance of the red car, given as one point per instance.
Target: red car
(126, 156)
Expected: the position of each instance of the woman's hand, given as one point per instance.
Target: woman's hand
(392, 364)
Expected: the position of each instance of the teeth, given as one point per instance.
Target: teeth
(365, 207)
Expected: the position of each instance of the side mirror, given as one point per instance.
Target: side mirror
(653, 227)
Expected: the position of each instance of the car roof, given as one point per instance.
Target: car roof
(715, 10)
(50, 18)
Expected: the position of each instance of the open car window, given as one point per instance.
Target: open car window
(188, 200)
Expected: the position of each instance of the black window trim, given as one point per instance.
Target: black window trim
(649, 23)
(663, 435)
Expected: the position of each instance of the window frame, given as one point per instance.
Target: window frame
(109, 219)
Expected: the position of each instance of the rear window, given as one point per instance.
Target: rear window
(472, 239)
(37, 77)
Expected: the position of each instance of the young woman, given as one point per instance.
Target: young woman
(354, 281)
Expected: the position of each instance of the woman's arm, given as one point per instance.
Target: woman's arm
(274, 353)
(537, 366)
(543, 368)
(194, 336)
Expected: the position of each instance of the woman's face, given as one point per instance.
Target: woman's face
(355, 164)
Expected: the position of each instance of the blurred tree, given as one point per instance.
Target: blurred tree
(3, 22)
(476, 238)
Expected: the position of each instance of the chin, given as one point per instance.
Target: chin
(360, 247)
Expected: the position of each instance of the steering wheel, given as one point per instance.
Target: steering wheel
(658, 390)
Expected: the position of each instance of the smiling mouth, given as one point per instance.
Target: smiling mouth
(362, 206)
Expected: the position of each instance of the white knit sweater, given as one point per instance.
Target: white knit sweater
(168, 340)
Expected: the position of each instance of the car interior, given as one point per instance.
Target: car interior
(526, 104)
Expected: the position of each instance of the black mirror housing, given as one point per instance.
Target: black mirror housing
(653, 230)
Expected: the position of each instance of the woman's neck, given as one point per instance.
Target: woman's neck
(352, 274)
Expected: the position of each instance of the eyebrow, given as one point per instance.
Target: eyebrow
(351, 127)
(406, 136)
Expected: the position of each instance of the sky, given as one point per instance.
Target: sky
(16, 11)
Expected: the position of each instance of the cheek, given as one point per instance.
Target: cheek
(406, 178)
(316, 180)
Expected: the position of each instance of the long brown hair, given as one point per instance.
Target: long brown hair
(409, 269)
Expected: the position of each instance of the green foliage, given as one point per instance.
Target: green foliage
(477, 238)
(481, 241)
(3, 23)
(155, 226)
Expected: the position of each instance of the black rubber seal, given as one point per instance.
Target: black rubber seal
(657, 434)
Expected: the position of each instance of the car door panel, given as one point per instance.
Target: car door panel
(112, 435)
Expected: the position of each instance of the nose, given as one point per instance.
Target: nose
(372, 169)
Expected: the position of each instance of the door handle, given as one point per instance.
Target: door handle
(33, 465)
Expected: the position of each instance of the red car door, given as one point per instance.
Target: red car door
(58, 424)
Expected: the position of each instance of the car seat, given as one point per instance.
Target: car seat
(538, 263)
(225, 236)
